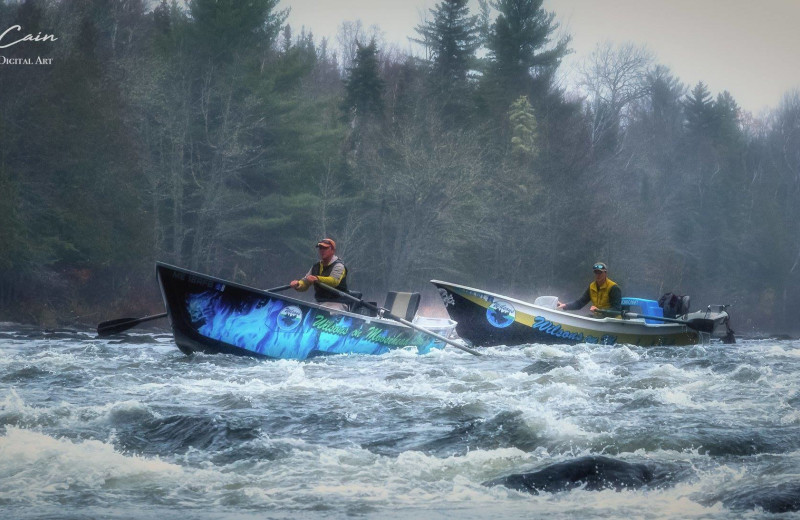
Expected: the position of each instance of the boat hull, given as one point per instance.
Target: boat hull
(488, 319)
(212, 315)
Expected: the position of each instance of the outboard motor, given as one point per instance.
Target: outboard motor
(729, 337)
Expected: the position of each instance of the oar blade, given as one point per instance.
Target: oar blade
(109, 328)
(113, 323)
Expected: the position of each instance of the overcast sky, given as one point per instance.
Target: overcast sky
(750, 48)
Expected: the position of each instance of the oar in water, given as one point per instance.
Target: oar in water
(109, 328)
(398, 318)
(698, 324)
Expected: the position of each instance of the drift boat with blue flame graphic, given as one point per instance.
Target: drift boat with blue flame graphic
(488, 319)
(217, 316)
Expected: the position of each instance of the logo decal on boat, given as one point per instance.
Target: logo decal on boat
(501, 314)
(289, 318)
(447, 298)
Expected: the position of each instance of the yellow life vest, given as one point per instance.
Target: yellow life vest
(599, 295)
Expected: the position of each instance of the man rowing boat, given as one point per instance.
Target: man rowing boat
(330, 271)
(603, 292)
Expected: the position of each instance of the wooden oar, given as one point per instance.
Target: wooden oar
(388, 314)
(109, 328)
(698, 324)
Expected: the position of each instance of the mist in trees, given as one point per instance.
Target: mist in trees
(214, 136)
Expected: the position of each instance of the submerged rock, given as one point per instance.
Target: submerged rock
(505, 430)
(781, 498)
(592, 473)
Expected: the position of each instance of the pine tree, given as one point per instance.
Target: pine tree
(726, 117)
(451, 38)
(662, 112)
(699, 107)
(223, 28)
(521, 50)
(364, 86)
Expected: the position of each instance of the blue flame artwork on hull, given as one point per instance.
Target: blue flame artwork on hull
(212, 315)
(276, 329)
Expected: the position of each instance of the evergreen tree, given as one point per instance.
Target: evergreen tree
(223, 28)
(699, 107)
(662, 112)
(451, 39)
(726, 117)
(522, 52)
(364, 86)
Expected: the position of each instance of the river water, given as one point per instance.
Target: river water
(132, 428)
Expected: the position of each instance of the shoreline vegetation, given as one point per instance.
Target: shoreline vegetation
(214, 136)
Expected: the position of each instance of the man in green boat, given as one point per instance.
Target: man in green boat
(330, 270)
(603, 292)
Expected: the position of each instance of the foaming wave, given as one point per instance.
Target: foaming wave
(792, 417)
(545, 352)
(663, 376)
(15, 412)
(671, 372)
(25, 374)
(623, 355)
(677, 397)
(356, 476)
(748, 374)
(473, 464)
(35, 465)
(129, 411)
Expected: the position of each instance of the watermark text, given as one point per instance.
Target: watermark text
(7, 38)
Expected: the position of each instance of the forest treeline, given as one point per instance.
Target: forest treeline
(212, 135)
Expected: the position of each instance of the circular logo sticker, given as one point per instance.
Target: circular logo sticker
(289, 318)
(501, 314)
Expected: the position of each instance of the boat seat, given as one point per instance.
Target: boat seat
(402, 304)
(548, 302)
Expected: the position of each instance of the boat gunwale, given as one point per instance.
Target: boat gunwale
(264, 292)
(590, 319)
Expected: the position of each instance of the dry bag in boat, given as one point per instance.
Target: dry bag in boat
(674, 304)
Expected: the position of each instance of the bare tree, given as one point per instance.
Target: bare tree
(416, 189)
(614, 77)
(353, 33)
